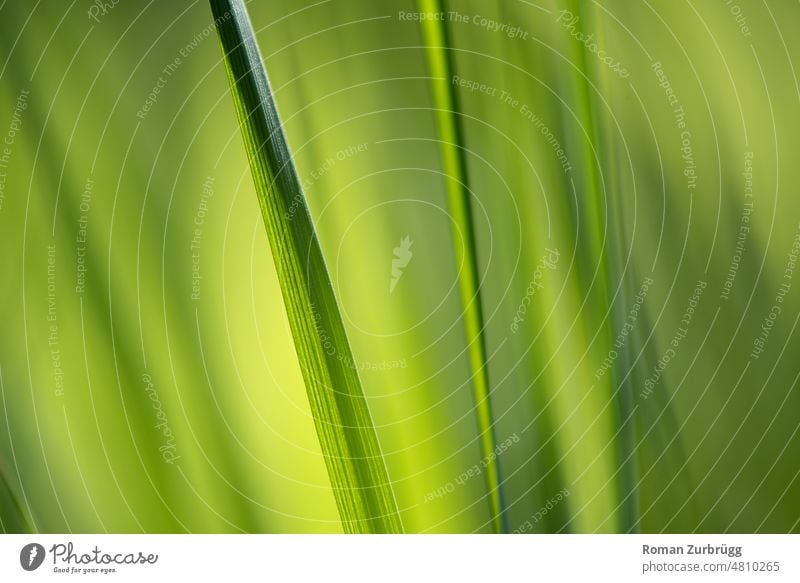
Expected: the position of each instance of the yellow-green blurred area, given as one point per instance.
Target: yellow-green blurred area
(633, 170)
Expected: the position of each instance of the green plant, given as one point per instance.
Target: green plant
(352, 453)
(452, 147)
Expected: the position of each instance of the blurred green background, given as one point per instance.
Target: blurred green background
(149, 380)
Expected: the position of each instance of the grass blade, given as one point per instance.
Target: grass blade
(451, 140)
(349, 443)
(607, 244)
(13, 517)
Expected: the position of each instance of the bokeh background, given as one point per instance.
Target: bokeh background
(646, 381)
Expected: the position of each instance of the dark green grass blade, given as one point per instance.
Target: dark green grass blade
(440, 63)
(13, 517)
(343, 422)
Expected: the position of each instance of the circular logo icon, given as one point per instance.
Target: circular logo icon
(31, 556)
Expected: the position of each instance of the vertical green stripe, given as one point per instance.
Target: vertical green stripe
(452, 150)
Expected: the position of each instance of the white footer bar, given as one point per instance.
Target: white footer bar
(405, 558)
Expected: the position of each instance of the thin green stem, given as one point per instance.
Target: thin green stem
(454, 166)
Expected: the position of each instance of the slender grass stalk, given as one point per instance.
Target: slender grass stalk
(347, 435)
(547, 463)
(608, 258)
(454, 165)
